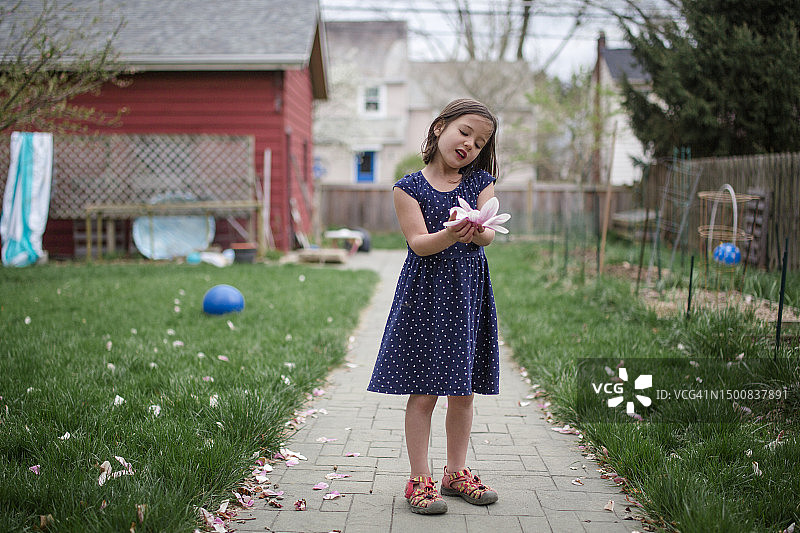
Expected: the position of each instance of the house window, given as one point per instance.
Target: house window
(373, 101)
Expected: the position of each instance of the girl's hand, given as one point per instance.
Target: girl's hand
(462, 232)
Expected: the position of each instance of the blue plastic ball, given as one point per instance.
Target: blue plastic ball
(222, 299)
(727, 253)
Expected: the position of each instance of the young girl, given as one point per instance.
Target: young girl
(441, 335)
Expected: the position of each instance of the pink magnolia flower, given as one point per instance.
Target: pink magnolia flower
(487, 216)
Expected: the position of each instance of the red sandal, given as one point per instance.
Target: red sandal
(469, 488)
(424, 499)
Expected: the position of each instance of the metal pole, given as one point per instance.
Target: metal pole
(691, 276)
(780, 301)
(641, 251)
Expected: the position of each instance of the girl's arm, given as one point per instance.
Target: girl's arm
(416, 232)
(484, 236)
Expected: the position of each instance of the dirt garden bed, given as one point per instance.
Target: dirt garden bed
(673, 300)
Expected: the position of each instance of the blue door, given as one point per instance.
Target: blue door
(365, 167)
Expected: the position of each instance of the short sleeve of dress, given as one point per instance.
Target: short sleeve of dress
(484, 180)
(409, 185)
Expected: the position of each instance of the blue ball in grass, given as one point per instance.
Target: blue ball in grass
(727, 253)
(222, 299)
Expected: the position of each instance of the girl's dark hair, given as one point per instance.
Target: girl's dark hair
(486, 159)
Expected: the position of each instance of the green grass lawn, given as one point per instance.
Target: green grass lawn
(695, 465)
(75, 337)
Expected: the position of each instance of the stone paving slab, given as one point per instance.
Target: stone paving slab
(512, 448)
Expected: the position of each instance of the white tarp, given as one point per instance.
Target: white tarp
(27, 198)
(171, 237)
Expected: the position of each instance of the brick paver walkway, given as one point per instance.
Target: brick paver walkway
(513, 449)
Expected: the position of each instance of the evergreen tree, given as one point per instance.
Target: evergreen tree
(725, 78)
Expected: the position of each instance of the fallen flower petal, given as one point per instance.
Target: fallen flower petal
(332, 495)
(125, 464)
(213, 401)
(756, 470)
(65, 436)
(292, 461)
(231, 326)
(155, 410)
(35, 469)
(566, 430)
(317, 392)
(223, 358)
(119, 400)
(352, 454)
(286, 452)
(609, 506)
(273, 503)
(208, 379)
(244, 500)
(577, 481)
(273, 494)
(325, 439)
(300, 505)
(105, 472)
(334, 475)
(320, 486)
(206, 517)
(27, 320)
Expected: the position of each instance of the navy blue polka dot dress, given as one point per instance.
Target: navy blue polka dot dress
(441, 335)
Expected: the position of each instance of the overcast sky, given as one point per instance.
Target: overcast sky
(549, 25)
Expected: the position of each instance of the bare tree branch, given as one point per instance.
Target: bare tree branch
(57, 57)
(523, 32)
(560, 48)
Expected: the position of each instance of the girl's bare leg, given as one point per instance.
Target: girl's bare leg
(458, 424)
(418, 431)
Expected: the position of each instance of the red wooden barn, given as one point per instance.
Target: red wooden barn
(232, 67)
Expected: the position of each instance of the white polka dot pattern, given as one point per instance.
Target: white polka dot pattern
(441, 335)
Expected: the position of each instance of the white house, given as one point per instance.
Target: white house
(361, 132)
(611, 66)
(381, 104)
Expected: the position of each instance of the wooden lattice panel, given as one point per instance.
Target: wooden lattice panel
(137, 169)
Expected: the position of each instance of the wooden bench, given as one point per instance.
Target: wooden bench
(114, 211)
